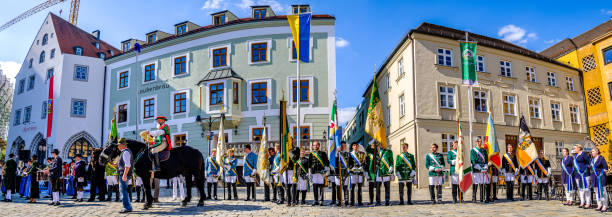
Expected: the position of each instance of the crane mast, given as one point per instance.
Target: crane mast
(74, 12)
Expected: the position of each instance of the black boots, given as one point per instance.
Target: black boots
(494, 193)
(509, 191)
(333, 202)
(248, 191)
(156, 163)
(474, 190)
(401, 193)
(231, 186)
(371, 187)
(454, 192)
(432, 194)
(281, 195)
(315, 194)
(439, 187)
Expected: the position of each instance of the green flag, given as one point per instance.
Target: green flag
(375, 124)
(468, 63)
(113, 133)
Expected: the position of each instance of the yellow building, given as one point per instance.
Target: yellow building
(591, 51)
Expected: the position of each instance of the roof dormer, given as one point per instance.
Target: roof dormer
(261, 12)
(156, 35)
(184, 27)
(223, 17)
(129, 44)
(297, 9)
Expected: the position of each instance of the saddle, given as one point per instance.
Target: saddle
(164, 156)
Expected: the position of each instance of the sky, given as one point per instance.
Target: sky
(366, 31)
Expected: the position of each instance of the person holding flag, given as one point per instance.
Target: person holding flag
(340, 174)
(434, 162)
(249, 172)
(301, 169)
(212, 174)
(356, 162)
(510, 171)
(276, 172)
(543, 173)
(371, 169)
(451, 159)
(582, 176)
(478, 156)
(406, 171)
(494, 159)
(385, 174)
(527, 180)
(318, 162)
(271, 186)
(231, 176)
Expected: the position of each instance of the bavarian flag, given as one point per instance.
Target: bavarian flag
(526, 152)
(286, 140)
(300, 30)
(490, 143)
(375, 124)
(468, 63)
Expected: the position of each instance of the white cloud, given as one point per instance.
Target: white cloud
(212, 4)
(515, 34)
(551, 41)
(345, 115)
(245, 4)
(276, 6)
(606, 12)
(341, 42)
(10, 69)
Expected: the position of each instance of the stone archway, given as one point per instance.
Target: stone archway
(80, 143)
(39, 147)
(18, 144)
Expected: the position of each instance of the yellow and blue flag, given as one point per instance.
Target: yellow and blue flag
(300, 30)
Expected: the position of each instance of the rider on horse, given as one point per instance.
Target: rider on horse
(162, 140)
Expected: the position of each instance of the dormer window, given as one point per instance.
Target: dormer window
(78, 51)
(102, 55)
(181, 29)
(126, 46)
(298, 9)
(260, 13)
(219, 19)
(45, 39)
(111, 52)
(97, 44)
(151, 38)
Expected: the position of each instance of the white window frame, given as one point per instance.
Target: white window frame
(536, 107)
(400, 67)
(559, 145)
(84, 115)
(127, 117)
(310, 79)
(44, 110)
(574, 117)
(450, 138)
(74, 76)
(446, 95)
(269, 89)
(570, 83)
(187, 59)
(505, 68)
(485, 98)
(31, 82)
(206, 94)
(511, 105)
(483, 62)
(445, 55)
(251, 127)
(388, 117)
(530, 73)
(118, 75)
(229, 54)
(291, 126)
(27, 114)
(555, 110)
(268, 48)
(155, 107)
(17, 117)
(156, 64)
(22, 86)
(402, 106)
(290, 49)
(187, 102)
(551, 79)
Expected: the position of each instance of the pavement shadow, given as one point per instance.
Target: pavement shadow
(194, 210)
(69, 205)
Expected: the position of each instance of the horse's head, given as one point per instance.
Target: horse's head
(95, 155)
(109, 153)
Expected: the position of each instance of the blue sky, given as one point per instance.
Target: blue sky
(367, 30)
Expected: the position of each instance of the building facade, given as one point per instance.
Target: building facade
(421, 92)
(73, 60)
(591, 51)
(354, 129)
(239, 66)
(6, 101)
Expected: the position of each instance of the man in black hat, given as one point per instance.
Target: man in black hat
(55, 173)
(162, 140)
(79, 175)
(124, 168)
(10, 171)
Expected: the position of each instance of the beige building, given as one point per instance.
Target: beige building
(421, 89)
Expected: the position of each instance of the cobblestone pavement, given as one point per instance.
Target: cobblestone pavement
(268, 209)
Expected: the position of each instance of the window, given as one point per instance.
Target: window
(260, 13)
(573, 114)
(505, 68)
(151, 38)
(102, 55)
(301, 10)
(555, 109)
(97, 45)
(570, 83)
(45, 39)
(41, 59)
(400, 67)
(304, 132)
(180, 65)
(552, 79)
(30, 63)
(181, 29)
(387, 82)
(402, 108)
(534, 108)
(259, 93)
(43, 111)
(447, 142)
(149, 72)
(220, 57)
(257, 134)
(49, 73)
(304, 90)
(180, 102)
(52, 54)
(17, 120)
(180, 140)
(81, 73)
(480, 64)
(445, 57)
(111, 52)
(235, 92)
(447, 97)
(78, 108)
(388, 118)
(559, 148)
(216, 94)
(31, 82)
(219, 19)
(258, 52)
(531, 73)
(480, 101)
(21, 86)
(149, 108)
(509, 105)
(607, 55)
(293, 51)
(122, 113)
(78, 51)
(126, 46)
(123, 79)
(27, 114)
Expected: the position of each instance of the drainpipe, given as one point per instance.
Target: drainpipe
(414, 109)
(103, 112)
(581, 73)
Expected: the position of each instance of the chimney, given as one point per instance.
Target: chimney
(96, 34)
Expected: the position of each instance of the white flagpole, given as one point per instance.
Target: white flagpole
(137, 91)
(470, 104)
(298, 91)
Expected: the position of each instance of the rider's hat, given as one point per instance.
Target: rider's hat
(161, 117)
(231, 150)
(122, 141)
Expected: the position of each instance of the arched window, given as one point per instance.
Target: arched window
(78, 51)
(80, 146)
(42, 57)
(45, 39)
(30, 64)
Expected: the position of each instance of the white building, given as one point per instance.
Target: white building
(75, 60)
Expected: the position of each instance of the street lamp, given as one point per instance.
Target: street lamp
(201, 122)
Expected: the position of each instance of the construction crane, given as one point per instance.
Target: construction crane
(74, 12)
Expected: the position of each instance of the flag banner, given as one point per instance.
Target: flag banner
(113, 133)
(491, 144)
(333, 125)
(526, 151)
(221, 144)
(286, 140)
(50, 108)
(262, 161)
(468, 63)
(300, 30)
(459, 163)
(375, 123)
(466, 180)
(337, 142)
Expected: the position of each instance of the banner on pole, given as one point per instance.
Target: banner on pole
(468, 63)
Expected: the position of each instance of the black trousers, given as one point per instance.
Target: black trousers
(318, 191)
(456, 192)
(509, 190)
(266, 192)
(291, 190)
(387, 191)
(334, 192)
(101, 189)
(526, 187)
(408, 192)
(344, 194)
(250, 190)
(359, 199)
(229, 191)
(209, 187)
(281, 193)
(371, 193)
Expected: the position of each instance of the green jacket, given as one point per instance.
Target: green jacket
(385, 164)
(479, 159)
(434, 161)
(110, 170)
(451, 159)
(405, 165)
(371, 163)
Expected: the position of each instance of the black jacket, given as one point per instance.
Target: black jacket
(315, 164)
(55, 170)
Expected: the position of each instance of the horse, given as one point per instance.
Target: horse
(96, 176)
(184, 160)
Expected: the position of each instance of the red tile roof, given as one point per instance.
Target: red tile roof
(569, 45)
(70, 36)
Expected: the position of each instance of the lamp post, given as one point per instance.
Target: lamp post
(201, 122)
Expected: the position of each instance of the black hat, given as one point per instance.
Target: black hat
(55, 151)
(79, 156)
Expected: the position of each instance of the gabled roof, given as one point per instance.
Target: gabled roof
(220, 74)
(568, 45)
(70, 36)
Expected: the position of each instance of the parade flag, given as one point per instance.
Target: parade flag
(221, 143)
(262, 161)
(113, 133)
(333, 131)
(50, 108)
(466, 179)
(459, 163)
(333, 125)
(526, 151)
(468, 63)
(337, 142)
(300, 30)
(491, 143)
(375, 124)
(286, 140)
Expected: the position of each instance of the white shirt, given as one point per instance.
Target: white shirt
(126, 156)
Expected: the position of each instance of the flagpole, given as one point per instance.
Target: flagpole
(298, 91)
(137, 87)
(339, 154)
(469, 104)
